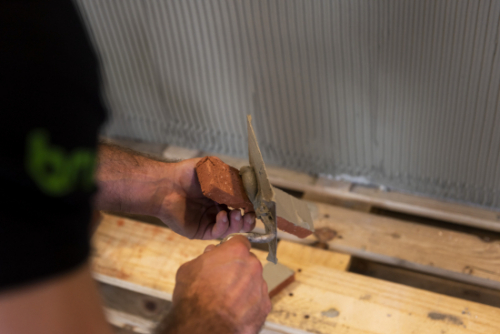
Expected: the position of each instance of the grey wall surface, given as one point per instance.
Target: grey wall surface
(404, 93)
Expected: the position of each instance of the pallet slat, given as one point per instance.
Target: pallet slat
(428, 249)
(412, 204)
(322, 300)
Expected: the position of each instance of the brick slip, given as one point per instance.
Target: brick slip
(277, 277)
(293, 214)
(280, 287)
(291, 228)
(222, 183)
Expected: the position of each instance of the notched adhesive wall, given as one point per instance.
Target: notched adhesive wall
(403, 94)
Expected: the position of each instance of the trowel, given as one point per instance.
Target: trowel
(274, 207)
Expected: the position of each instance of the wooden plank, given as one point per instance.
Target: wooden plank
(454, 255)
(322, 300)
(145, 246)
(309, 255)
(432, 208)
(417, 205)
(428, 249)
(113, 248)
(345, 203)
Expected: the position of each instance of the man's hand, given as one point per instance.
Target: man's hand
(195, 215)
(221, 291)
(133, 183)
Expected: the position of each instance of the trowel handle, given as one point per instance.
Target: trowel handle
(252, 237)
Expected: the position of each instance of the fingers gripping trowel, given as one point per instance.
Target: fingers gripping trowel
(270, 204)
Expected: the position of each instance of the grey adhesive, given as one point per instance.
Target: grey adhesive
(402, 93)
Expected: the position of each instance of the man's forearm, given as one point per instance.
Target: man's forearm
(130, 182)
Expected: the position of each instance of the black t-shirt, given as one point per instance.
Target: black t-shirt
(51, 112)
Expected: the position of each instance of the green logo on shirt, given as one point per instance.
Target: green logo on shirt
(55, 171)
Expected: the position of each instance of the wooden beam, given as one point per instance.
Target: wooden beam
(309, 255)
(113, 247)
(456, 255)
(322, 300)
(412, 204)
(143, 246)
(428, 249)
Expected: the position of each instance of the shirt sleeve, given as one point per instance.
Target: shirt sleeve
(51, 113)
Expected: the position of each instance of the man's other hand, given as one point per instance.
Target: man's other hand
(221, 291)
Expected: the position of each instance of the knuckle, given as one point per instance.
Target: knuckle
(239, 249)
(255, 265)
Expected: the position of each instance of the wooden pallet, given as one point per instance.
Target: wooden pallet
(446, 269)
(437, 250)
(325, 298)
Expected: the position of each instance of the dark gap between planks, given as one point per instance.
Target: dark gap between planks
(427, 282)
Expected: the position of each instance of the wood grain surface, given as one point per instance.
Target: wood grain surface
(322, 300)
(428, 249)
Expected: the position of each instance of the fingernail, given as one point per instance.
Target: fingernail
(224, 218)
(248, 222)
(238, 216)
